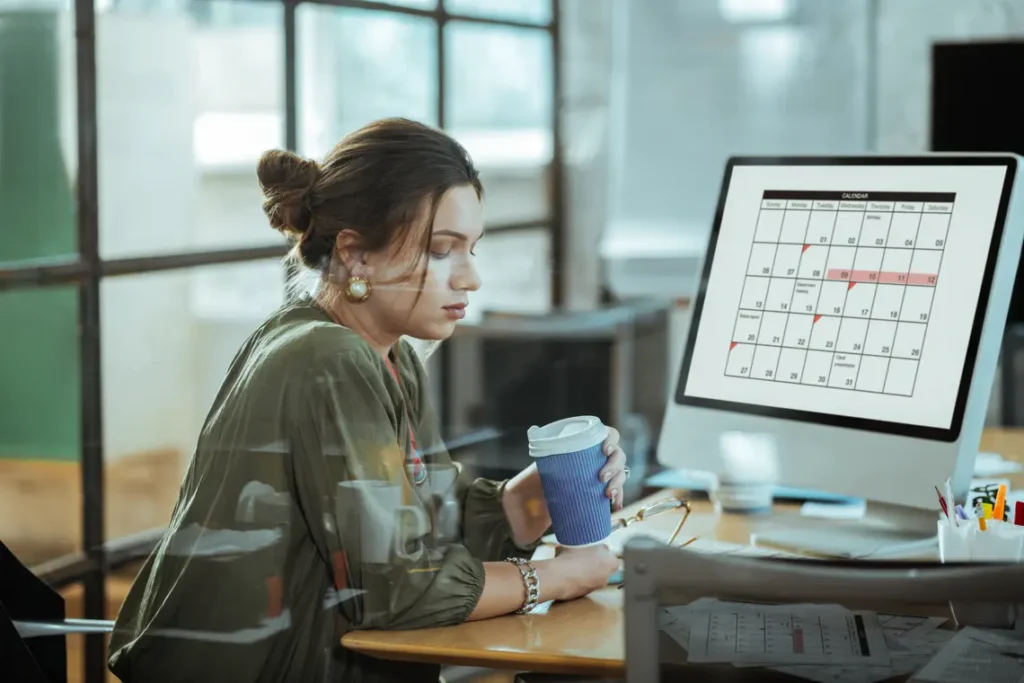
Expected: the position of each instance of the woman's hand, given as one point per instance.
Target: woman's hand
(579, 571)
(615, 471)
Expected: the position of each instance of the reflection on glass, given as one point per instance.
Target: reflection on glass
(168, 339)
(533, 11)
(419, 4)
(356, 66)
(40, 495)
(515, 273)
(211, 82)
(499, 105)
(37, 145)
(768, 77)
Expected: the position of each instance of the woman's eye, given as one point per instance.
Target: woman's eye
(441, 255)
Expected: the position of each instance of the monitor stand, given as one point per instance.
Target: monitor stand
(886, 532)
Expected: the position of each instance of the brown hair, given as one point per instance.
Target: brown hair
(374, 182)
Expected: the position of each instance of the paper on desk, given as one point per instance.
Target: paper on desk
(787, 634)
(912, 641)
(916, 642)
(993, 464)
(848, 511)
(976, 655)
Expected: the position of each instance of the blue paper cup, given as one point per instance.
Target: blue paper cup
(569, 458)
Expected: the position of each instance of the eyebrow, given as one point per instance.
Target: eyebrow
(450, 233)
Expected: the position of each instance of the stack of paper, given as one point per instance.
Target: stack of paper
(826, 643)
(976, 654)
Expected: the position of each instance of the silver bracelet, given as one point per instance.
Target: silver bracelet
(531, 582)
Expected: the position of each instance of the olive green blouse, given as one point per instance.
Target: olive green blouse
(267, 561)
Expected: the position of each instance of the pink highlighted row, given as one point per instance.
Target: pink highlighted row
(882, 277)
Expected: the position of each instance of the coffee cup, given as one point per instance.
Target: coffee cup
(569, 458)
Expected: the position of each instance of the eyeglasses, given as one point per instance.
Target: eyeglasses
(656, 508)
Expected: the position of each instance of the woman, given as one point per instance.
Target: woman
(315, 499)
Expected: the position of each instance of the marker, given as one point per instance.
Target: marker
(986, 510)
(1018, 513)
(997, 511)
(960, 513)
(981, 524)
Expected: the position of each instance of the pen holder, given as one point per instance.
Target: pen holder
(966, 542)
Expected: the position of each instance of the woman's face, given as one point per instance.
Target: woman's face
(432, 312)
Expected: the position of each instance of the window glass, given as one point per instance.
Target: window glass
(359, 65)
(211, 81)
(38, 148)
(168, 339)
(40, 424)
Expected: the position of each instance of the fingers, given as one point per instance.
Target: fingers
(614, 490)
(616, 463)
(611, 442)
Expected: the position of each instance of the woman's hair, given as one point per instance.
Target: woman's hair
(375, 182)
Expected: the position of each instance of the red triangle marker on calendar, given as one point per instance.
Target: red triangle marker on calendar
(732, 345)
(851, 286)
(817, 317)
(806, 247)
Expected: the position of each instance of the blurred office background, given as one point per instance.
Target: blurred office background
(134, 257)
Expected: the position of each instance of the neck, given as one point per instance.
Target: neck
(356, 317)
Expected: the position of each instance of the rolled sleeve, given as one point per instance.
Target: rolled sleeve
(485, 527)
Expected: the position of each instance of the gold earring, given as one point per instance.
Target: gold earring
(357, 289)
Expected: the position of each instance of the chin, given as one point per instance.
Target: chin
(439, 331)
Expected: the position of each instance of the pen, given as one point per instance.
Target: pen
(1018, 513)
(981, 524)
(942, 502)
(997, 511)
(961, 513)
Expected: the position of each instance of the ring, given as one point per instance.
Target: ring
(625, 471)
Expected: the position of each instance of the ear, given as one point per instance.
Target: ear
(348, 247)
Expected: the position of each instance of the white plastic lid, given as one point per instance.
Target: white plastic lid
(566, 436)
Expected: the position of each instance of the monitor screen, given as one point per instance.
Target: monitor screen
(847, 291)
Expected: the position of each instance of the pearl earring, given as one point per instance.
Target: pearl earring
(357, 289)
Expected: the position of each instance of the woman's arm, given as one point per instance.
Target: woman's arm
(504, 591)
(525, 507)
(572, 574)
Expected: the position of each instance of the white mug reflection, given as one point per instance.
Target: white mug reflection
(385, 526)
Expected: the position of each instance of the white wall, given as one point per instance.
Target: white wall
(907, 29)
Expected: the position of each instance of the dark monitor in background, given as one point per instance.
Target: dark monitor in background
(977, 105)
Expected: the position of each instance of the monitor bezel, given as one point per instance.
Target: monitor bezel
(950, 434)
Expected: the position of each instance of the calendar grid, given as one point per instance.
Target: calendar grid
(839, 288)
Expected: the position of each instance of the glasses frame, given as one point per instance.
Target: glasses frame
(87, 268)
(658, 507)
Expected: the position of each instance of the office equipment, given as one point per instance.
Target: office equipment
(509, 372)
(655, 572)
(851, 309)
(28, 657)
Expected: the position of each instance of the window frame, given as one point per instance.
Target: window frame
(87, 269)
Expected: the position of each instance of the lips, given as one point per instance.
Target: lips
(456, 311)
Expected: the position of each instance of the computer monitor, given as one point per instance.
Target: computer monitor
(851, 311)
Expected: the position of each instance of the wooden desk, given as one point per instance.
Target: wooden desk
(584, 636)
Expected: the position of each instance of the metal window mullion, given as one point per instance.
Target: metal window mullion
(557, 230)
(91, 394)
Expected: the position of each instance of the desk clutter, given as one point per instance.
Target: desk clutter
(831, 644)
(988, 529)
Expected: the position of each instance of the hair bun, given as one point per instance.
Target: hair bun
(286, 179)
